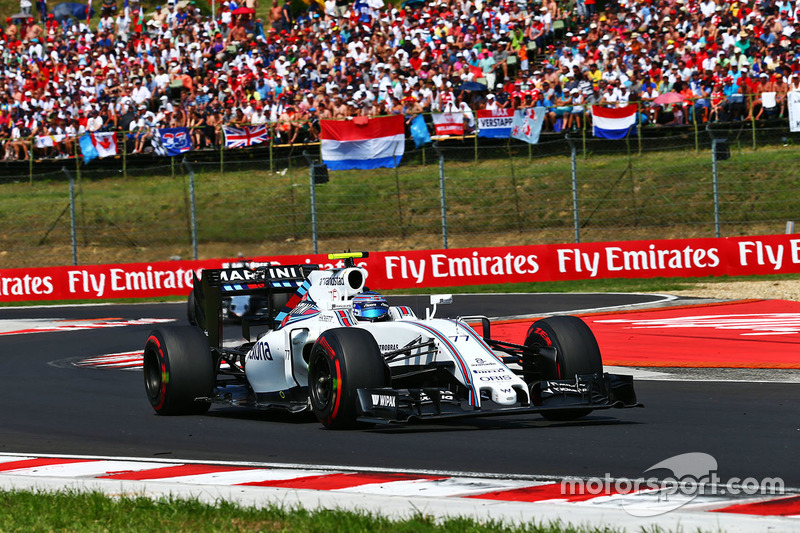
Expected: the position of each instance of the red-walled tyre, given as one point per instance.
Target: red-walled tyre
(577, 353)
(178, 369)
(342, 361)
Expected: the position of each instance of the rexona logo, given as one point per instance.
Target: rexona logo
(260, 352)
(381, 400)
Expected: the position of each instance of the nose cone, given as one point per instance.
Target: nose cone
(504, 395)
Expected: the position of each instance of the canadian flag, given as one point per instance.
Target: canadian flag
(105, 144)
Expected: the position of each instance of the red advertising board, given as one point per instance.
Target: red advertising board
(734, 256)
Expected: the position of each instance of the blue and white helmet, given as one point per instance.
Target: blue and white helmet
(370, 306)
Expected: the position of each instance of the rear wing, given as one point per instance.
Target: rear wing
(216, 283)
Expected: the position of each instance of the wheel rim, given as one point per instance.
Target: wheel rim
(152, 375)
(322, 385)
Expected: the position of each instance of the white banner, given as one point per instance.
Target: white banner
(793, 99)
(527, 124)
(448, 123)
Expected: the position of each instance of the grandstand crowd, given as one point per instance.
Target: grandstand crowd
(132, 71)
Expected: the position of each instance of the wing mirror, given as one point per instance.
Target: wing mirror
(437, 299)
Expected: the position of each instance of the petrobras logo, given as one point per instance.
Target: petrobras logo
(332, 281)
(388, 347)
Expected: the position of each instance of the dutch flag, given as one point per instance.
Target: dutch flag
(614, 122)
(363, 143)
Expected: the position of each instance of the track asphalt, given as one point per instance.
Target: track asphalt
(53, 406)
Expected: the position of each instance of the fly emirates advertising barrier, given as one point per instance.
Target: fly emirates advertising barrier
(734, 256)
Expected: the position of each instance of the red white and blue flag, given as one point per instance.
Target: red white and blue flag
(173, 141)
(245, 136)
(495, 123)
(614, 122)
(363, 143)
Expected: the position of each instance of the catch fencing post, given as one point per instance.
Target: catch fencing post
(313, 199)
(717, 143)
(193, 209)
(573, 151)
(271, 144)
(222, 155)
(752, 118)
(72, 216)
(124, 153)
(30, 160)
(694, 120)
(442, 193)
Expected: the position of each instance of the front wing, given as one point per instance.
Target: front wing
(593, 391)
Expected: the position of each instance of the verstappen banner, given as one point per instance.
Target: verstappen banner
(734, 256)
(495, 124)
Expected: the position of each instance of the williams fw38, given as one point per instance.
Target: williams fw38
(341, 351)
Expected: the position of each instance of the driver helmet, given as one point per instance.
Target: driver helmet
(370, 306)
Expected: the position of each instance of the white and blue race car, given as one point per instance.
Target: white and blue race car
(384, 366)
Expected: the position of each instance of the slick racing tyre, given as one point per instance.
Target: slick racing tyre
(342, 361)
(576, 351)
(177, 369)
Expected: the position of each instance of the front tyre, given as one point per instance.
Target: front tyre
(178, 369)
(342, 361)
(576, 353)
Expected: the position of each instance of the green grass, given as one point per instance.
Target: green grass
(95, 512)
(495, 202)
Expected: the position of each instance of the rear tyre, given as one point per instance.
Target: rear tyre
(177, 369)
(342, 361)
(576, 350)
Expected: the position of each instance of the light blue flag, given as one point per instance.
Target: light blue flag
(87, 148)
(419, 132)
(527, 125)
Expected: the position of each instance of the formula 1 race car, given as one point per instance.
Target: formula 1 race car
(385, 365)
